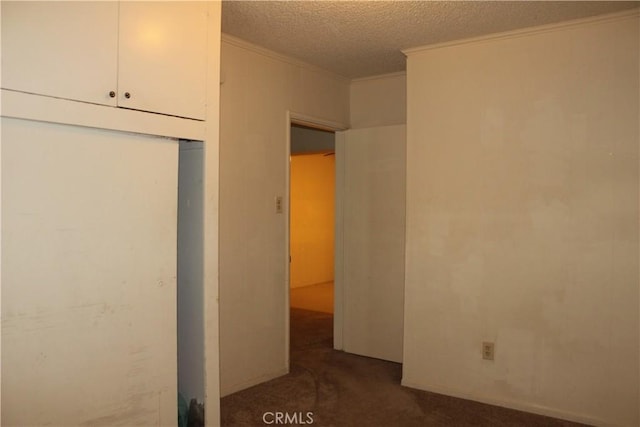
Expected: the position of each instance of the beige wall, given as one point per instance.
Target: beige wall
(522, 221)
(312, 219)
(257, 91)
(379, 101)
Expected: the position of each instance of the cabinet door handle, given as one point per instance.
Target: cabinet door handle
(112, 94)
(127, 95)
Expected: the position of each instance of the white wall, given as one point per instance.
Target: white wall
(379, 101)
(257, 91)
(89, 276)
(522, 221)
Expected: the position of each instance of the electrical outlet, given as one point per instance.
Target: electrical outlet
(279, 204)
(488, 349)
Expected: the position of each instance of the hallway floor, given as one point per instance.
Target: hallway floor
(342, 389)
(315, 297)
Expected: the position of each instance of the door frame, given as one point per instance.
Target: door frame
(320, 124)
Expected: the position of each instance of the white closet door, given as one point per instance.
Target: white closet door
(163, 53)
(43, 54)
(371, 280)
(88, 276)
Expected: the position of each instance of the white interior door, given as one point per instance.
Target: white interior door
(370, 220)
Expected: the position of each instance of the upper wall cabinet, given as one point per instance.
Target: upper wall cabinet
(163, 57)
(148, 56)
(62, 49)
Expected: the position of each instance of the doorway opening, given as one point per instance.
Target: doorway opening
(190, 284)
(311, 236)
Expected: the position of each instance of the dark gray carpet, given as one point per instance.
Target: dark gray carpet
(342, 389)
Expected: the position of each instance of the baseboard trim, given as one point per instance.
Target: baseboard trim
(312, 284)
(510, 404)
(225, 391)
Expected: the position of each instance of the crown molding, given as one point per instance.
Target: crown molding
(243, 44)
(529, 31)
(380, 77)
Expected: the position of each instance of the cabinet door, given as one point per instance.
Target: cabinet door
(62, 49)
(162, 57)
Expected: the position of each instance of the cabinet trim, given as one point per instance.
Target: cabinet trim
(20, 105)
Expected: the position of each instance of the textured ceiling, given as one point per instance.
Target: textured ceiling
(364, 38)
